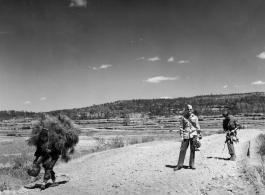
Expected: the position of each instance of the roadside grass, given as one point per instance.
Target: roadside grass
(147, 139)
(261, 152)
(14, 176)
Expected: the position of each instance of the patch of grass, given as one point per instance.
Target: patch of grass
(133, 140)
(261, 152)
(148, 139)
(117, 142)
(15, 176)
(220, 132)
(14, 147)
(15, 157)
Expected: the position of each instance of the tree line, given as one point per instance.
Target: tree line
(244, 103)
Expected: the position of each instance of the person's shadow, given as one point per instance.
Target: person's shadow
(48, 185)
(219, 158)
(174, 166)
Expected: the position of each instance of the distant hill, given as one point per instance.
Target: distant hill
(244, 103)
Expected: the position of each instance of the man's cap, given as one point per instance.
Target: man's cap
(44, 131)
(225, 113)
(189, 106)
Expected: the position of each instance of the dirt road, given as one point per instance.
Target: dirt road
(147, 169)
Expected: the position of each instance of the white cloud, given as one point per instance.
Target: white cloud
(142, 58)
(165, 97)
(239, 86)
(225, 86)
(258, 83)
(171, 59)
(183, 61)
(154, 59)
(161, 78)
(27, 102)
(43, 98)
(104, 66)
(78, 3)
(262, 55)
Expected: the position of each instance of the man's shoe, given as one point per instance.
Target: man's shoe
(233, 157)
(53, 179)
(192, 167)
(177, 168)
(42, 187)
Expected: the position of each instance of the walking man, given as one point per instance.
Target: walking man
(47, 155)
(189, 130)
(230, 125)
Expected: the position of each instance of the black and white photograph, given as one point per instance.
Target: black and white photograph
(127, 97)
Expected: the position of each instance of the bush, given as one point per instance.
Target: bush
(220, 132)
(261, 152)
(16, 175)
(147, 139)
(261, 143)
(117, 142)
(101, 144)
(133, 141)
(4, 186)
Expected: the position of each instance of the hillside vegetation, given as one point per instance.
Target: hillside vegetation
(245, 103)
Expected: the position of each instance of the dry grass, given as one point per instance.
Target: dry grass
(13, 172)
(15, 176)
(261, 152)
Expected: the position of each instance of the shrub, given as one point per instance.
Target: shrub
(4, 186)
(220, 132)
(133, 141)
(147, 139)
(261, 152)
(117, 142)
(16, 175)
(101, 144)
(261, 143)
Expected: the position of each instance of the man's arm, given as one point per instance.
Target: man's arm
(198, 126)
(37, 154)
(236, 125)
(181, 128)
(224, 125)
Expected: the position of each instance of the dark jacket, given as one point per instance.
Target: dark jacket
(49, 157)
(230, 124)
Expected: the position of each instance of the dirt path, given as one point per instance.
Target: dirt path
(141, 169)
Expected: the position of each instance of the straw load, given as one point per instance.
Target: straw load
(62, 134)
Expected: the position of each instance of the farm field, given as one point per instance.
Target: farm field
(98, 135)
(12, 139)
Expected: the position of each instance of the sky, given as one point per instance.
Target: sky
(64, 54)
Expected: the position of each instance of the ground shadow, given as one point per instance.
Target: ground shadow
(48, 185)
(174, 166)
(219, 158)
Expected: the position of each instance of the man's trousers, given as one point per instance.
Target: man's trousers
(231, 148)
(184, 146)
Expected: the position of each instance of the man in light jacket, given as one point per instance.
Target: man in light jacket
(189, 131)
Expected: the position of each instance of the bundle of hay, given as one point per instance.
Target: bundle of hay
(63, 134)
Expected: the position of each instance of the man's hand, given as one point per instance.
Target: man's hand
(48, 151)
